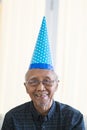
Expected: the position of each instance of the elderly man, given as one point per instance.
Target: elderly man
(41, 82)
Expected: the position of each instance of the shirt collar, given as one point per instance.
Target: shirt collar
(38, 117)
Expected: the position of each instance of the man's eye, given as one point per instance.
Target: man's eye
(46, 81)
(33, 82)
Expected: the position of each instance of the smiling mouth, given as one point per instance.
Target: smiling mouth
(41, 95)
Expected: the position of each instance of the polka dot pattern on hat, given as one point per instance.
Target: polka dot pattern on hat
(42, 52)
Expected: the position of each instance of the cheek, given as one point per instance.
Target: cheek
(52, 91)
(30, 91)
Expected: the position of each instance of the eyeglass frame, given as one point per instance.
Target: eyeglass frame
(41, 81)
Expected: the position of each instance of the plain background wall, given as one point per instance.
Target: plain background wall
(21, 21)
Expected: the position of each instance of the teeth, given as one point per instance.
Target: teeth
(40, 95)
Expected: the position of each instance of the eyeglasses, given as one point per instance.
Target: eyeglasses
(36, 82)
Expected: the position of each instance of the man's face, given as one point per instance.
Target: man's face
(41, 86)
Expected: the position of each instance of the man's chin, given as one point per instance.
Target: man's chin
(43, 104)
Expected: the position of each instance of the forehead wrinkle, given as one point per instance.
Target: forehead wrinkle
(39, 77)
(36, 75)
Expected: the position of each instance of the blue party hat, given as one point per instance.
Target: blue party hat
(41, 58)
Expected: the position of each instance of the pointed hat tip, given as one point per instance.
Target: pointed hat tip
(44, 18)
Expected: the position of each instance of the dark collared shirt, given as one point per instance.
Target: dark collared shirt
(59, 117)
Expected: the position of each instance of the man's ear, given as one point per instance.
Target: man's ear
(26, 87)
(24, 84)
(57, 85)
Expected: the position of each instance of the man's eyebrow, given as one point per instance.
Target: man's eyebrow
(33, 77)
(47, 77)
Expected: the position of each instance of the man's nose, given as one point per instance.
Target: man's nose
(41, 86)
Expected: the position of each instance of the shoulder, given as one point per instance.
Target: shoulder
(64, 108)
(70, 116)
(69, 112)
(18, 110)
(16, 116)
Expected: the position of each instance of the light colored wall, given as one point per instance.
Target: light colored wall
(0, 49)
